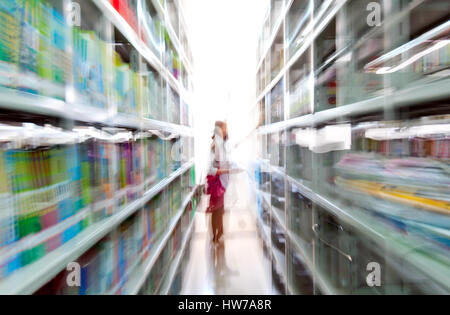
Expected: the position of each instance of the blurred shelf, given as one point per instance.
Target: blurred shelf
(278, 258)
(426, 37)
(394, 242)
(428, 91)
(11, 99)
(319, 279)
(263, 228)
(164, 15)
(313, 30)
(280, 217)
(142, 271)
(130, 270)
(32, 277)
(266, 197)
(15, 100)
(167, 283)
(264, 231)
(166, 181)
(150, 124)
(127, 31)
(274, 32)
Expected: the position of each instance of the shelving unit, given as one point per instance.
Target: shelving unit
(139, 45)
(142, 270)
(176, 264)
(347, 93)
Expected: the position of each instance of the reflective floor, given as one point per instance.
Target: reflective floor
(246, 269)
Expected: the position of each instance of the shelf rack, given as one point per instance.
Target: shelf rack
(277, 26)
(427, 91)
(163, 14)
(394, 242)
(313, 29)
(265, 234)
(175, 265)
(15, 100)
(321, 280)
(32, 277)
(143, 269)
(11, 99)
(304, 67)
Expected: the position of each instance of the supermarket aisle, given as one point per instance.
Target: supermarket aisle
(249, 270)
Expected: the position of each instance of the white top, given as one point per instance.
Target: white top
(219, 158)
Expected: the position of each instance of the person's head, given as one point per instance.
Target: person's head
(222, 127)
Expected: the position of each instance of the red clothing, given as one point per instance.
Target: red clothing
(216, 191)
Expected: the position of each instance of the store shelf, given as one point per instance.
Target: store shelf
(127, 31)
(30, 278)
(319, 279)
(324, 285)
(167, 283)
(141, 272)
(387, 77)
(265, 231)
(279, 217)
(394, 242)
(266, 198)
(277, 26)
(15, 100)
(263, 228)
(313, 30)
(276, 255)
(166, 181)
(428, 91)
(277, 259)
(163, 14)
(150, 124)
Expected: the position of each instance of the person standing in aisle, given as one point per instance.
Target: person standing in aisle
(217, 183)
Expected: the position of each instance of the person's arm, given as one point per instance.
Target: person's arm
(222, 171)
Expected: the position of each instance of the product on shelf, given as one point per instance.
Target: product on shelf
(414, 191)
(130, 171)
(44, 189)
(90, 64)
(173, 107)
(10, 38)
(33, 55)
(128, 10)
(277, 103)
(151, 31)
(300, 83)
(128, 85)
(107, 267)
(152, 163)
(152, 95)
(66, 181)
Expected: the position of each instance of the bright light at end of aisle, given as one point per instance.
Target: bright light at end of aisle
(222, 35)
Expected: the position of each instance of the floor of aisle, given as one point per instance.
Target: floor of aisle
(249, 271)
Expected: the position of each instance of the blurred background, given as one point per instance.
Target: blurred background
(338, 117)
